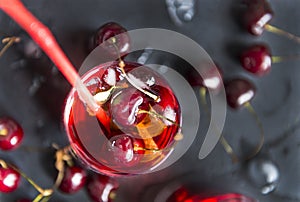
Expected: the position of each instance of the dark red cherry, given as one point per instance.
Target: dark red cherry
(11, 134)
(239, 92)
(257, 15)
(257, 59)
(179, 195)
(105, 34)
(210, 78)
(9, 179)
(102, 188)
(125, 107)
(122, 148)
(168, 102)
(74, 179)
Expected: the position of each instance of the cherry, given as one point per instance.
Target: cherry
(74, 179)
(210, 78)
(9, 179)
(239, 92)
(11, 134)
(102, 188)
(167, 98)
(179, 195)
(257, 15)
(122, 147)
(108, 33)
(257, 59)
(125, 106)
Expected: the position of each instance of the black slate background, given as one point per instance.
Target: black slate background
(216, 27)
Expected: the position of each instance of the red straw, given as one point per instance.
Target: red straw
(45, 39)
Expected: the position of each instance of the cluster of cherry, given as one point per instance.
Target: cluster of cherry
(71, 177)
(256, 59)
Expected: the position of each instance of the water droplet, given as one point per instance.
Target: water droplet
(264, 174)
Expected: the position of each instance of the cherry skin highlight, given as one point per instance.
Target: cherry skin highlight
(257, 59)
(257, 15)
(210, 78)
(102, 188)
(122, 148)
(11, 134)
(239, 92)
(9, 179)
(74, 179)
(126, 105)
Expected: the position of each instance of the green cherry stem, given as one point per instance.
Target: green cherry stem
(155, 114)
(260, 126)
(276, 30)
(3, 164)
(278, 59)
(44, 192)
(203, 93)
(228, 149)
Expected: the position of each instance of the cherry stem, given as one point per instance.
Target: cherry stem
(45, 39)
(276, 30)
(260, 126)
(3, 164)
(122, 65)
(155, 114)
(41, 198)
(203, 92)
(228, 149)
(43, 192)
(112, 195)
(62, 155)
(9, 42)
(3, 132)
(278, 59)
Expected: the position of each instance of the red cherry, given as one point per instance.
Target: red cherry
(210, 79)
(138, 145)
(102, 188)
(74, 179)
(179, 195)
(257, 59)
(122, 147)
(11, 134)
(166, 96)
(239, 92)
(106, 32)
(125, 106)
(257, 15)
(9, 179)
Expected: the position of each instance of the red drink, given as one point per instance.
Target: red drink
(144, 120)
(183, 195)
